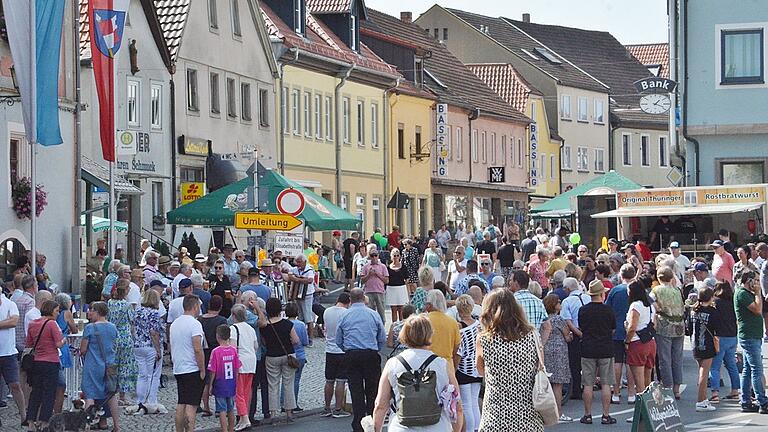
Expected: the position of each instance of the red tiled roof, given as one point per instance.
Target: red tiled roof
(505, 81)
(652, 54)
(172, 15)
(85, 36)
(320, 40)
(329, 6)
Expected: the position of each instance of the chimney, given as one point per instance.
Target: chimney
(526, 17)
(406, 17)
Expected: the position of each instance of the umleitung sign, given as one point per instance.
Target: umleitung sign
(265, 221)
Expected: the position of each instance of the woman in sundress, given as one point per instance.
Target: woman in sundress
(411, 265)
(555, 336)
(123, 316)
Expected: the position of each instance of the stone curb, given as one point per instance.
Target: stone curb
(306, 413)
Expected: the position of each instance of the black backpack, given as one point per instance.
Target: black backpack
(419, 404)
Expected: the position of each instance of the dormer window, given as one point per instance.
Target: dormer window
(353, 31)
(418, 72)
(299, 17)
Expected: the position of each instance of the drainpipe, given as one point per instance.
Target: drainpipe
(174, 147)
(385, 149)
(75, 286)
(673, 49)
(281, 126)
(696, 171)
(336, 96)
(560, 177)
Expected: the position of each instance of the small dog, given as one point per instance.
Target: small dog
(80, 420)
(146, 409)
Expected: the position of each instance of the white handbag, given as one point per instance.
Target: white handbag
(543, 396)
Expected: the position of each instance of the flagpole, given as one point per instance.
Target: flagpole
(112, 195)
(33, 211)
(32, 148)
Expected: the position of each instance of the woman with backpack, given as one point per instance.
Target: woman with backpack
(417, 411)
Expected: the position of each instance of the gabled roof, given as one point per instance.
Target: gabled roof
(154, 26)
(516, 41)
(506, 82)
(173, 16)
(652, 55)
(321, 41)
(444, 74)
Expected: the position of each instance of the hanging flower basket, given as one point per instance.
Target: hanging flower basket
(21, 192)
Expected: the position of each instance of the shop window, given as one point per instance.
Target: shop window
(748, 172)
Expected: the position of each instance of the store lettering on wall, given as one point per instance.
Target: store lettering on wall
(441, 128)
(141, 143)
(534, 174)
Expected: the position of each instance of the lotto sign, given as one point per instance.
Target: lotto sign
(441, 127)
(191, 191)
(534, 173)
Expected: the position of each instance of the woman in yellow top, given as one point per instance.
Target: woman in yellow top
(446, 337)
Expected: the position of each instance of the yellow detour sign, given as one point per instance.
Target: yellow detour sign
(265, 221)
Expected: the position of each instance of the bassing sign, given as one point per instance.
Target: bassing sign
(442, 139)
(534, 137)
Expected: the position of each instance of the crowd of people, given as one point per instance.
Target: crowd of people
(467, 315)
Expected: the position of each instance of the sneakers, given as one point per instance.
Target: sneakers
(564, 419)
(631, 399)
(749, 408)
(615, 399)
(339, 413)
(243, 425)
(327, 412)
(630, 419)
(705, 406)
(764, 409)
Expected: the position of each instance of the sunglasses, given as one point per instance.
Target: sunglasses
(374, 255)
(219, 268)
(485, 264)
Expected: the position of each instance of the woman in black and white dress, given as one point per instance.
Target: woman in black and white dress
(397, 292)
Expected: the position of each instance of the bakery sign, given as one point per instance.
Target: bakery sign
(747, 194)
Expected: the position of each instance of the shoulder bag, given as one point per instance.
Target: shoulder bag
(110, 370)
(647, 334)
(28, 355)
(293, 362)
(543, 396)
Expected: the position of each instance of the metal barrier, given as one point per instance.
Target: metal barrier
(73, 375)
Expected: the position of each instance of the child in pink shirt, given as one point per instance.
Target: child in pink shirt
(223, 368)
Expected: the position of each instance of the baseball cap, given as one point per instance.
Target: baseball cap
(700, 266)
(253, 271)
(228, 246)
(628, 246)
(613, 241)
(717, 244)
(157, 282)
(185, 283)
(674, 245)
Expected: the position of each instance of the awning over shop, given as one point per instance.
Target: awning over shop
(98, 175)
(99, 224)
(606, 184)
(399, 200)
(218, 208)
(678, 210)
(553, 214)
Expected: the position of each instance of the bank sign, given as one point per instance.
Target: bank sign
(534, 154)
(692, 196)
(441, 127)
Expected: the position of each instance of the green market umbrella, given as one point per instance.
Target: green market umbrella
(99, 224)
(560, 206)
(218, 208)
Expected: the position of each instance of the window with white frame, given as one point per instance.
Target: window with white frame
(484, 147)
(742, 56)
(417, 140)
(327, 118)
(158, 203)
(344, 200)
(263, 107)
(374, 125)
(307, 114)
(193, 101)
(503, 151)
(459, 143)
(299, 16)
(132, 102)
(543, 166)
(360, 123)
(599, 111)
(284, 109)
(448, 142)
(663, 152)
(245, 101)
(645, 150)
(236, 30)
(156, 106)
(599, 160)
(353, 31)
(295, 119)
(318, 117)
(215, 98)
(626, 149)
(519, 152)
(533, 110)
(583, 109)
(231, 97)
(582, 159)
(213, 18)
(565, 107)
(345, 108)
(376, 207)
(565, 158)
(473, 146)
(552, 166)
(493, 148)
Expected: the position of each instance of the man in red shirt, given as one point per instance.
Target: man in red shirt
(643, 248)
(393, 238)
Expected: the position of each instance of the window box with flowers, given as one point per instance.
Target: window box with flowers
(21, 193)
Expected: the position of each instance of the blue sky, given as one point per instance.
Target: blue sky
(630, 21)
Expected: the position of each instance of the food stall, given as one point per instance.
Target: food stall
(691, 216)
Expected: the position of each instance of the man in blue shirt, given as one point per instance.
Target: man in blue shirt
(618, 300)
(254, 284)
(360, 334)
(463, 286)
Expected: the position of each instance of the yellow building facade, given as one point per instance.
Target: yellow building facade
(411, 131)
(548, 149)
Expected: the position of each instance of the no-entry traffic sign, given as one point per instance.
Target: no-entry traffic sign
(290, 201)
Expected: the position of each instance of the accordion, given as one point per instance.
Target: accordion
(297, 290)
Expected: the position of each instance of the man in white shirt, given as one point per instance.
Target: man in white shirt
(176, 306)
(186, 339)
(304, 274)
(443, 236)
(681, 261)
(185, 272)
(34, 313)
(477, 296)
(9, 365)
(335, 371)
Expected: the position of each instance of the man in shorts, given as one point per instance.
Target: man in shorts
(9, 366)
(186, 338)
(597, 322)
(335, 372)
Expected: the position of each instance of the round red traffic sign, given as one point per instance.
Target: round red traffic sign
(290, 201)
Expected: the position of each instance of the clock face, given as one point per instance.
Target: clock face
(655, 103)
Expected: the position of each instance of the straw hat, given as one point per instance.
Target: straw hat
(596, 287)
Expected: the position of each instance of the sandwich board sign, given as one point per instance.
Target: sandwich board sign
(656, 411)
